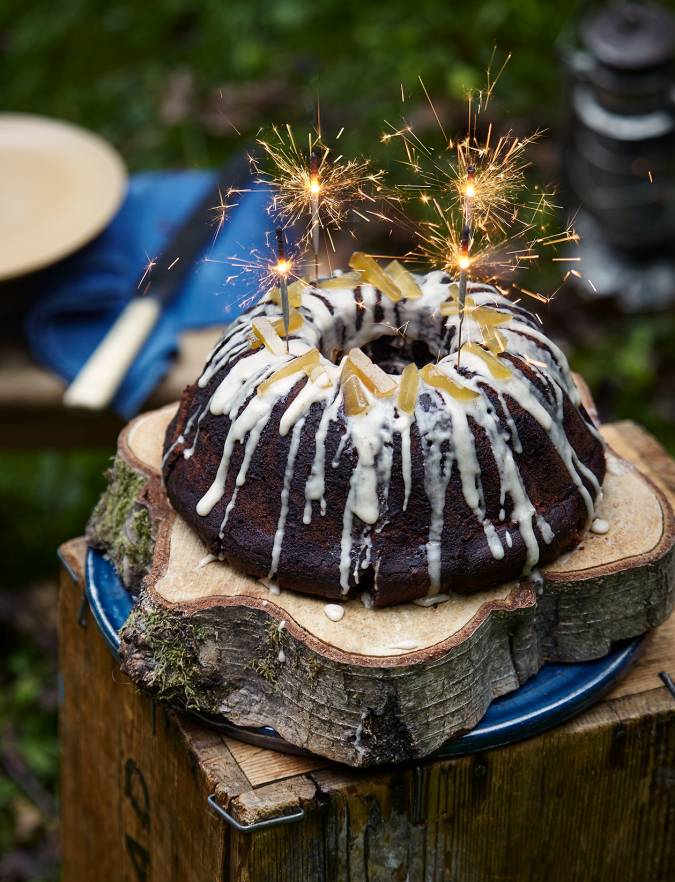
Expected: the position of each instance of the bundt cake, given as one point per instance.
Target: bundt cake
(362, 456)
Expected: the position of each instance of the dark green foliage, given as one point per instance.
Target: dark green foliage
(630, 369)
(45, 498)
(116, 67)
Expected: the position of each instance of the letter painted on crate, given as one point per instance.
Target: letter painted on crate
(136, 790)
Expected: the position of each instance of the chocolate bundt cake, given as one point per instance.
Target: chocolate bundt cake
(365, 456)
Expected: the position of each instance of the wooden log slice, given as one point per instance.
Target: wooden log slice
(379, 685)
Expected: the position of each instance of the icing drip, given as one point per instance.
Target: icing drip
(402, 426)
(334, 611)
(314, 488)
(205, 561)
(283, 514)
(434, 426)
(432, 600)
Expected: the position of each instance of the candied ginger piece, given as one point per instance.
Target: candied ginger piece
(494, 341)
(354, 396)
(490, 318)
(295, 322)
(265, 334)
(407, 391)
(295, 290)
(451, 307)
(438, 379)
(403, 280)
(497, 368)
(371, 375)
(303, 362)
(320, 375)
(346, 280)
(375, 275)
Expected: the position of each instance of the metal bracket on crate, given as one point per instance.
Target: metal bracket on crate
(258, 825)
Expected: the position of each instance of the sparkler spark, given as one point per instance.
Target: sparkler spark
(225, 205)
(149, 266)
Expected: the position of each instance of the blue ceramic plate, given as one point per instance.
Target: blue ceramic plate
(557, 693)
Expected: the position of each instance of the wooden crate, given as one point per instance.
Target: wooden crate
(591, 800)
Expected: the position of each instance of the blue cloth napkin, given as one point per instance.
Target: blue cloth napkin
(86, 292)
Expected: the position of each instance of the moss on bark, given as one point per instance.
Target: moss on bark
(172, 643)
(121, 525)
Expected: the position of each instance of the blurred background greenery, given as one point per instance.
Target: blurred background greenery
(174, 83)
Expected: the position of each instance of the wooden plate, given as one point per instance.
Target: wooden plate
(59, 184)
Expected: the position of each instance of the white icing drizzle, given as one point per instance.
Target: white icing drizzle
(281, 524)
(207, 559)
(336, 320)
(334, 611)
(599, 526)
(537, 581)
(432, 600)
(434, 426)
(314, 488)
(402, 426)
(271, 586)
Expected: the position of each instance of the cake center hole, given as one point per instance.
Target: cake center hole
(394, 354)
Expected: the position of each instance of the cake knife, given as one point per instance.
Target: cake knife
(100, 377)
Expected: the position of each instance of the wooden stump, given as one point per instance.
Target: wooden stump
(380, 685)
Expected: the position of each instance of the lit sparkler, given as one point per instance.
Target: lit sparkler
(261, 269)
(314, 187)
(484, 220)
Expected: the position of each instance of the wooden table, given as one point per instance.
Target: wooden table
(31, 408)
(591, 800)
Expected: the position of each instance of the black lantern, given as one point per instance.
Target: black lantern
(620, 153)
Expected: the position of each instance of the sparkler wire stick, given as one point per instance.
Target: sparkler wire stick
(465, 240)
(282, 270)
(314, 189)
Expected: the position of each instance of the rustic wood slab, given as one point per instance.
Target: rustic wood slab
(388, 684)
